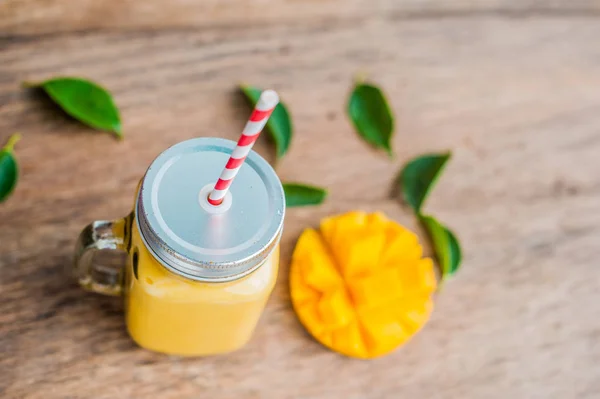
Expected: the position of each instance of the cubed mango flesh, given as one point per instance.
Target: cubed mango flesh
(360, 285)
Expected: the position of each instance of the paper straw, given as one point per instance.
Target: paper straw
(264, 107)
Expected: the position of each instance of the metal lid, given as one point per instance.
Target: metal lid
(195, 239)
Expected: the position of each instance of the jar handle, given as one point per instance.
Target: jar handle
(98, 236)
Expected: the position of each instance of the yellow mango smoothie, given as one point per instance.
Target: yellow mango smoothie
(168, 313)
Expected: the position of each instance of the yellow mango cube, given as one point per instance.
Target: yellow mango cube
(335, 309)
(350, 340)
(376, 289)
(363, 255)
(383, 330)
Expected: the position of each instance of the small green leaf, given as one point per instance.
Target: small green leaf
(9, 170)
(303, 195)
(85, 101)
(445, 244)
(418, 177)
(279, 125)
(369, 111)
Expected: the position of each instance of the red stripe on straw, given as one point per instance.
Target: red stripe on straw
(234, 163)
(245, 140)
(258, 115)
(214, 202)
(222, 184)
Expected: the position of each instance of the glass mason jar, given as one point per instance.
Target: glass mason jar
(197, 276)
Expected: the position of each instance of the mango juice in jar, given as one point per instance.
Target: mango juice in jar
(197, 276)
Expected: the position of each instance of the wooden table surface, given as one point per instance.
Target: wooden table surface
(512, 88)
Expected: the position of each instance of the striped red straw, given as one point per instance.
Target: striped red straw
(264, 107)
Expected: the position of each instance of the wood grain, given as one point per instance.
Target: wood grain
(515, 98)
(34, 17)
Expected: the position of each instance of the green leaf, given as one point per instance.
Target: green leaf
(279, 125)
(418, 177)
(369, 111)
(9, 170)
(303, 195)
(85, 101)
(445, 244)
